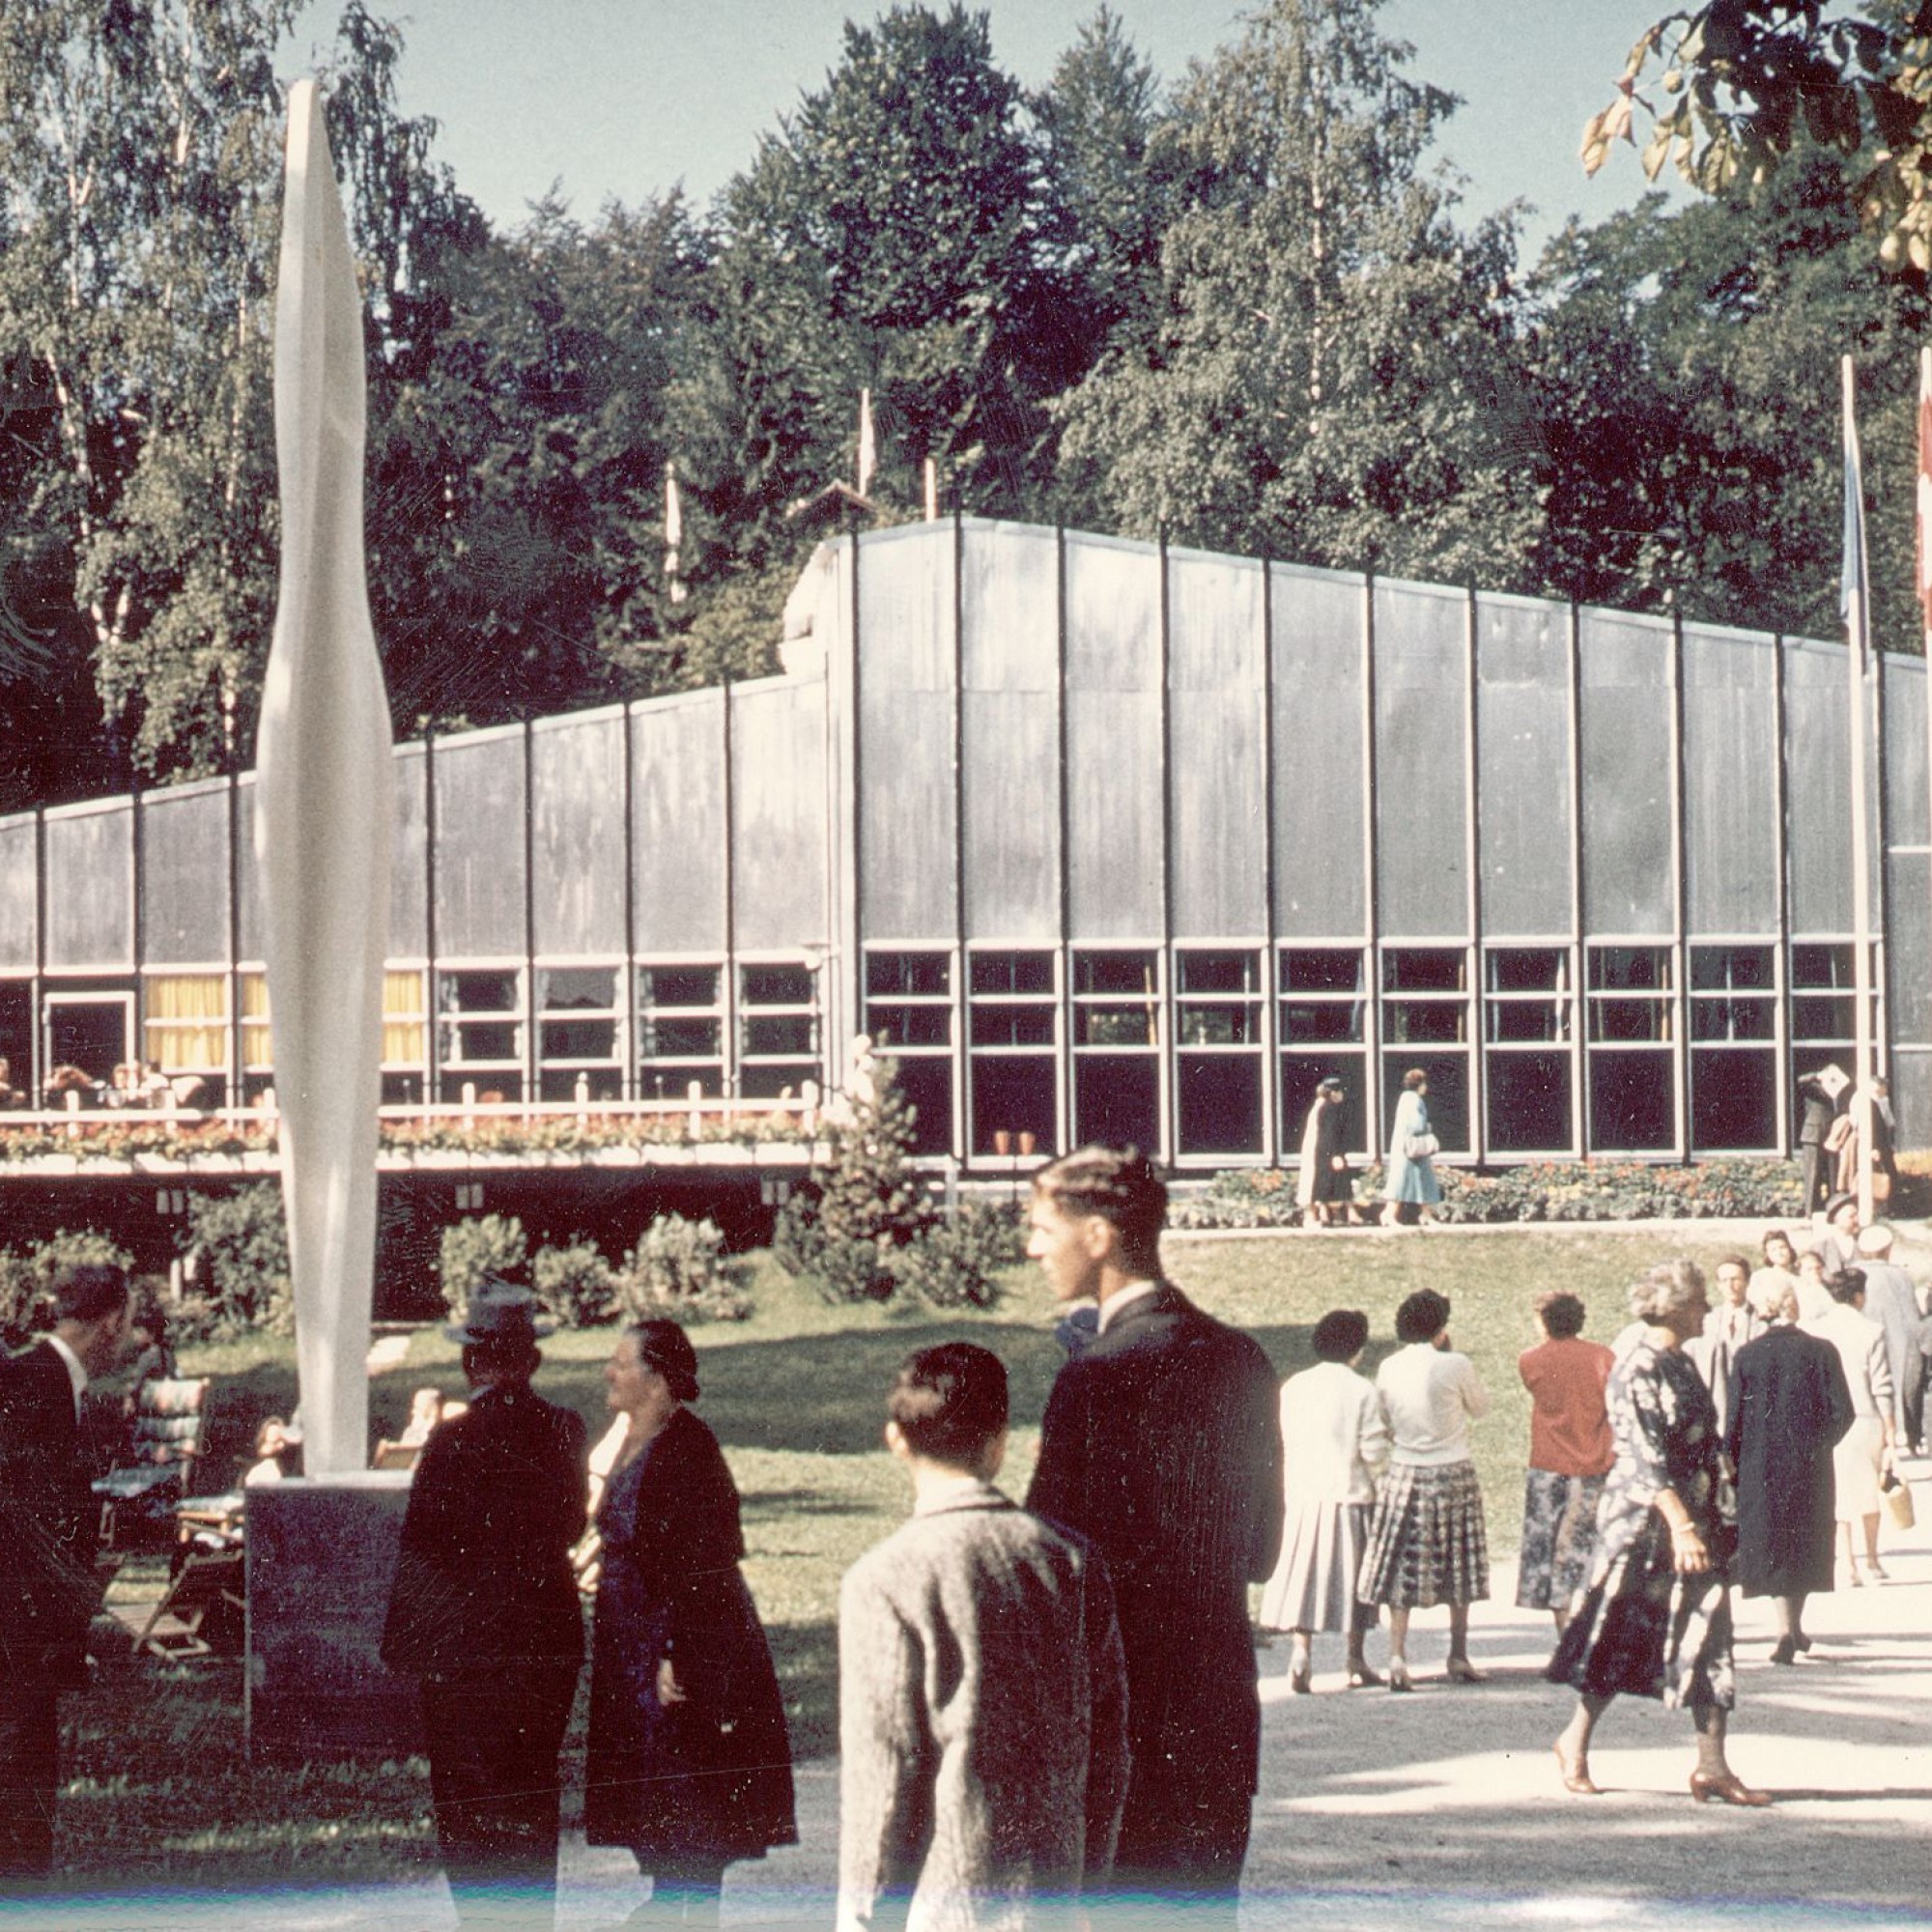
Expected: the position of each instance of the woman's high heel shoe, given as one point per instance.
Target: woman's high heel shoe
(1460, 1670)
(1727, 1787)
(1576, 1774)
(1301, 1679)
(1398, 1675)
(1784, 1650)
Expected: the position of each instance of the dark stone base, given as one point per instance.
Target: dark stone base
(321, 1556)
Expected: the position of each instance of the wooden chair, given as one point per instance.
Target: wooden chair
(395, 1455)
(209, 1581)
(166, 1438)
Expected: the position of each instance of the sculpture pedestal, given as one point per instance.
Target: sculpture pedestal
(321, 1556)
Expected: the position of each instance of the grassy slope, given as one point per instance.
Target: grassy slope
(795, 1395)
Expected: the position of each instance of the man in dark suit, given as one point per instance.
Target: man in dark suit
(48, 1527)
(1161, 1446)
(485, 1609)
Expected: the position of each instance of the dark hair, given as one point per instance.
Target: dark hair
(501, 1357)
(1847, 1285)
(1422, 1316)
(950, 1402)
(1560, 1312)
(663, 1346)
(1340, 1335)
(1733, 1261)
(1118, 1184)
(89, 1291)
(1416, 1076)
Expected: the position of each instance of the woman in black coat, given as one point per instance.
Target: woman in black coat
(690, 1764)
(1788, 1406)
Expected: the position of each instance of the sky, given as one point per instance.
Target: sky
(625, 99)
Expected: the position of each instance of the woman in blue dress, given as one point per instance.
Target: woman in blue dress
(1411, 1175)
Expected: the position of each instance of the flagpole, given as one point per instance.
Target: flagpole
(1856, 580)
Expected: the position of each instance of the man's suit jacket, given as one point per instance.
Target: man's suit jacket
(1161, 1446)
(483, 1576)
(983, 1744)
(48, 1525)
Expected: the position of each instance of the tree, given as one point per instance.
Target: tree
(1685, 366)
(1333, 377)
(1747, 81)
(138, 149)
(895, 235)
(518, 476)
(1098, 117)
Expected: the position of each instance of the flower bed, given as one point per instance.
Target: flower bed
(1587, 1190)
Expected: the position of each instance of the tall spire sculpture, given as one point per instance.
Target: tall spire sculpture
(323, 803)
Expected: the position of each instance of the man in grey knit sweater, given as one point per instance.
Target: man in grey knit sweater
(982, 1687)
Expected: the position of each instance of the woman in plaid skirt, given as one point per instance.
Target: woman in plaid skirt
(1427, 1544)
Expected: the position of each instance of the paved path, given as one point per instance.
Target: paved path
(1438, 1809)
(1441, 1808)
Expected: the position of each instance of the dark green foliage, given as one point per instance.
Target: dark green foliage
(492, 1244)
(27, 1277)
(1596, 1190)
(957, 1262)
(678, 1269)
(576, 1284)
(241, 1244)
(862, 1202)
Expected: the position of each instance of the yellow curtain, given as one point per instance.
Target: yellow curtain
(187, 1022)
(404, 1040)
(257, 1049)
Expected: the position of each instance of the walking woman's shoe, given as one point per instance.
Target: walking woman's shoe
(1724, 1787)
(1398, 1675)
(1876, 1571)
(1575, 1773)
(1362, 1678)
(1460, 1670)
(1302, 1682)
(1799, 1642)
(1784, 1650)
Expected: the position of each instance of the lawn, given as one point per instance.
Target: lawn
(795, 1395)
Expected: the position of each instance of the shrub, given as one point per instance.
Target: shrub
(956, 1264)
(242, 1241)
(27, 1278)
(471, 1249)
(678, 1269)
(844, 1224)
(1740, 1188)
(576, 1284)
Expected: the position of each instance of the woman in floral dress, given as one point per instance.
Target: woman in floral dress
(1656, 1620)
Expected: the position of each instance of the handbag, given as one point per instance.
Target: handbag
(1420, 1146)
(1897, 1499)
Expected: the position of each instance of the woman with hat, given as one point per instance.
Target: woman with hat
(690, 1763)
(1323, 1190)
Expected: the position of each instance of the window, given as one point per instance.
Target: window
(1528, 1025)
(1733, 1047)
(778, 1030)
(1426, 1024)
(909, 1016)
(185, 1026)
(1321, 1015)
(480, 1031)
(1632, 1058)
(1116, 1048)
(577, 1034)
(1013, 1069)
(680, 1031)
(1218, 999)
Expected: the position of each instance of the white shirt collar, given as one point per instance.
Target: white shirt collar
(956, 1493)
(76, 1369)
(1115, 1304)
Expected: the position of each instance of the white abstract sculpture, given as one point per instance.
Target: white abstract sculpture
(323, 803)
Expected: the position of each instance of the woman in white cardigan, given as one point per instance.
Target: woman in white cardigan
(1333, 1439)
(1427, 1543)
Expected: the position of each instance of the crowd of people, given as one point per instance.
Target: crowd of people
(1057, 1697)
